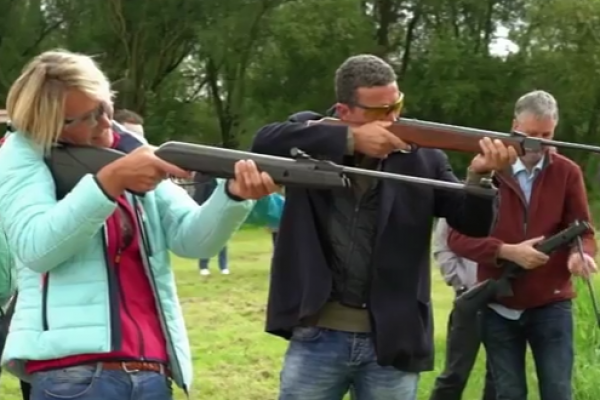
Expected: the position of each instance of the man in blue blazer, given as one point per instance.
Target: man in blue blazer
(350, 278)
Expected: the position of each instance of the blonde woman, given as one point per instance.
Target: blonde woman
(97, 315)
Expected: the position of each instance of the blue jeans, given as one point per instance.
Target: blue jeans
(222, 260)
(91, 382)
(322, 364)
(549, 332)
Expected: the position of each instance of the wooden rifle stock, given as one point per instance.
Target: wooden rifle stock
(460, 138)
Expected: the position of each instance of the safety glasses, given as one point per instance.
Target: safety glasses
(382, 112)
(91, 118)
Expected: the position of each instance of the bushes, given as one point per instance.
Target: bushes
(586, 382)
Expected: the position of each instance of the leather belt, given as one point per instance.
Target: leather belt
(136, 366)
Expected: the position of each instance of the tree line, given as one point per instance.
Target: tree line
(213, 71)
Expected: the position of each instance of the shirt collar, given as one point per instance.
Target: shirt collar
(519, 167)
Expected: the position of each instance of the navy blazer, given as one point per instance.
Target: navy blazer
(399, 303)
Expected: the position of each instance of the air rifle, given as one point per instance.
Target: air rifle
(487, 291)
(460, 138)
(69, 163)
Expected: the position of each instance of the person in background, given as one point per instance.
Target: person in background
(542, 193)
(267, 213)
(131, 121)
(463, 338)
(97, 314)
(273, 224)
(204, 187)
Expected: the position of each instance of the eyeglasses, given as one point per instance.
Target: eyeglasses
(380, 112)
(90, 119)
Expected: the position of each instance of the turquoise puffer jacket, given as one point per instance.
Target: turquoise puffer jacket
(65, 239)
(7, 278)
(267, 211)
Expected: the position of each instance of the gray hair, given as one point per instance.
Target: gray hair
(539, 104)
(364, 70)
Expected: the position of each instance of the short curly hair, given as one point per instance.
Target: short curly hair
(363, 70)
(538, 103)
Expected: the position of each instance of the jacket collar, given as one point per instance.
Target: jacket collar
(512, 170)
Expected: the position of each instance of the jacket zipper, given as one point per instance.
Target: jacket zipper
(351, 248)
(175, 365)
(116, 338)
(358, 197)
(379, 189)
(45, 282)
(517, 188)
(141, 225)
(114, 291)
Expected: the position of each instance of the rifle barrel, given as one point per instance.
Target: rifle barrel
(571, 146)
(406, 178)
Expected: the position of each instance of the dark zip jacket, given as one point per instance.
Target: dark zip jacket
(400, 277)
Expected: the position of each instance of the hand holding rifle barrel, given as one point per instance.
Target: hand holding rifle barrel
(381, 138)
(415, 133)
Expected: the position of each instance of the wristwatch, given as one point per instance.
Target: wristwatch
(483, 180)
(462, 289)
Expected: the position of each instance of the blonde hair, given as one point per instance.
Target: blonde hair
(36, 100)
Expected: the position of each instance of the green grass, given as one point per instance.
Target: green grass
(235, 359)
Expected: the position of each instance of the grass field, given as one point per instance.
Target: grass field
(236, 360)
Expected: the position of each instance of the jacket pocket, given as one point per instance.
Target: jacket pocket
(144, 229)
(306, 333)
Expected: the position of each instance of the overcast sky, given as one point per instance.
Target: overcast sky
(501, 45)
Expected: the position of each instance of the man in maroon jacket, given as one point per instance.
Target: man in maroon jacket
(540, 195)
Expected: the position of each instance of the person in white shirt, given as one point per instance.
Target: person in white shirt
(463, 339)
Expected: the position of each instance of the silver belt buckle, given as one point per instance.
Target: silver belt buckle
(127, 370)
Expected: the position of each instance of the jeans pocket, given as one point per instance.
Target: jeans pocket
(306, 333)
(563, 305)
(66, 383)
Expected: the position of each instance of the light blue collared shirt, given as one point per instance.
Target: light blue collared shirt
(525, 179)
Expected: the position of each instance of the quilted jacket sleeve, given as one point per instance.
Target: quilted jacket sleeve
(43, 232)
(267, 211)
(194, 231)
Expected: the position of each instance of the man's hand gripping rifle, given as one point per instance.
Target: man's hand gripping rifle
(434, 135)
(487, 291)
(69, 164)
